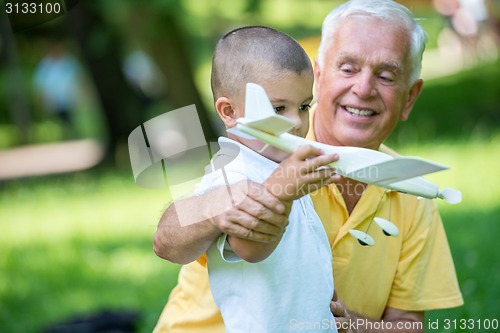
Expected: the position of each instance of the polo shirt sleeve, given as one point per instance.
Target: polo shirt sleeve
(425, 277)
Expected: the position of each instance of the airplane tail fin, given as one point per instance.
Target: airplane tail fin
(257, 104)
(259, 112)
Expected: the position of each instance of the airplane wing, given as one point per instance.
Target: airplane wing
(395, 170)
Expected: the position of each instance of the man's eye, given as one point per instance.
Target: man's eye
(304, 107)
(279, 108)
(346, 68)
(386, 77)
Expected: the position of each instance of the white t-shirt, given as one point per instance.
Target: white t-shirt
(291, 290)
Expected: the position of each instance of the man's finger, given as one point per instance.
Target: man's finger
(261, 195)
(237, 230)
(272, 226)
(258, 215)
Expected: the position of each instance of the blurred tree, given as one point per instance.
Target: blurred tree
(16, 94)
(157, 28)
(102, 47)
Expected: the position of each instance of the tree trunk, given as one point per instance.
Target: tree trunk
(166, 44)
(101, 47)
(16, 94)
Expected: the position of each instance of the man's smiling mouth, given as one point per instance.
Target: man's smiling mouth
(359, 112)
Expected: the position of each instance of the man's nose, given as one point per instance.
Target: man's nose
(364, 85)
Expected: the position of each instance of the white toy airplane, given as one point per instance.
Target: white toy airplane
(400, 174)
(366, 165)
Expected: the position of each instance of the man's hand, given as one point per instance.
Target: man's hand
(245, 210)
(341, 314)
(255, 215)
(395, 320)
(302, 173)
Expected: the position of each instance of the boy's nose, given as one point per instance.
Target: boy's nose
(297, 121)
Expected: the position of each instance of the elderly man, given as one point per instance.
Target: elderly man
(367, 80)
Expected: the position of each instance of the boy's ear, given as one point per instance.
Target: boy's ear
(226, 111)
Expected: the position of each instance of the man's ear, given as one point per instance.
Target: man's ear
(415, 91)
(226, 111)
(317, 73)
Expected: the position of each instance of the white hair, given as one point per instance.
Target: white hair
(386, 10)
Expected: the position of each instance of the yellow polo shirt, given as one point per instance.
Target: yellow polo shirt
(413, 271)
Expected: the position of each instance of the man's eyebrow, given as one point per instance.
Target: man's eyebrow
(344, 57)
(392, 66)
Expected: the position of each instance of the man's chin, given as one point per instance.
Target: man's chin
(361, 141)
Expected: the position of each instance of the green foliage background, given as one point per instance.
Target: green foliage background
(77, 243)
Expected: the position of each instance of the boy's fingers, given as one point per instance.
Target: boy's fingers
(303, 152)
(319, 161)
(316, 185)
(320, 177)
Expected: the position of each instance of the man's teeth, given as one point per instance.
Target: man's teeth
(359, 113)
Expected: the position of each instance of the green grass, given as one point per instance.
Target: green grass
(473, 238)
(78, 243)
(473, 226)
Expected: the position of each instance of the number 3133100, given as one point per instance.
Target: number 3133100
(32, 8)
(471, 324)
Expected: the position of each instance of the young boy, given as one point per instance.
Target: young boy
(285, 285)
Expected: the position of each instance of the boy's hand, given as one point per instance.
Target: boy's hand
(298, 174)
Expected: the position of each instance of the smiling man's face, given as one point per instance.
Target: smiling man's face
(363, 86)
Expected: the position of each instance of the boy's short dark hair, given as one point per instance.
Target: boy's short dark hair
(245, 54)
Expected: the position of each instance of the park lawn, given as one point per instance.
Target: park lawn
(78, 243)
(472, 226)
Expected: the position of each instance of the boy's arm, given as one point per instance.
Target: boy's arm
(295, 177)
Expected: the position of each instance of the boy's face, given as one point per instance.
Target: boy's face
(291, 96)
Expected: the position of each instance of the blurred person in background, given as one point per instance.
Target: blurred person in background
(467, 32)
(57, 84)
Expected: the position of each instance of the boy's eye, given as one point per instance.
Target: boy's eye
(279, 108)
(304, 107)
